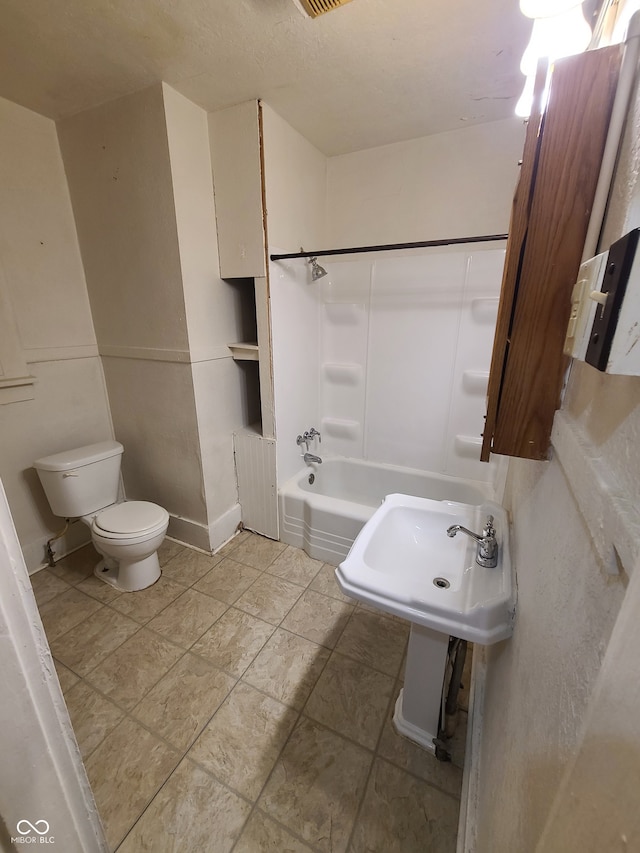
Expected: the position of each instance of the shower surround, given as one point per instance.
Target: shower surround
(396, 354)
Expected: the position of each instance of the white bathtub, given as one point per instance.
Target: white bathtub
(325, 517)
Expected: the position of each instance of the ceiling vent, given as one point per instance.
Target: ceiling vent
(313, 8)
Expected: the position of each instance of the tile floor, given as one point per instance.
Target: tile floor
(243, 703)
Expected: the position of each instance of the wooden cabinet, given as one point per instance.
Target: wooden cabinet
(550, 215)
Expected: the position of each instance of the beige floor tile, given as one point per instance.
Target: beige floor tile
(77, 566)
(352, 699)
(243, 740)
(227, 580)
(287, 668)
(258, 551)
(318, 618)
(233, 641)
(147, 603)
(295, 566)
(409, 756)
(232, 544)
(92, 641)
(128, 674)
(188, 617)
(65, 611)
(375, 640)
(184, 700)
(269, 598)
(192, 813)
(317, 785)
(189, 566)
(168, 550)
(402, 814)
(66, 678)
(47, 586)
(326, 583)
(92, 716)
(263, 835)
(98, 589)
(125, 772)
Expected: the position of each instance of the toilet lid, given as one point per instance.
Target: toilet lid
(131, 517)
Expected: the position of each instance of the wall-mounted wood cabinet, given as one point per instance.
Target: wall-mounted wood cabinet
(549, 220)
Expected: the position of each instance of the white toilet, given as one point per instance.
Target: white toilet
(83, 483)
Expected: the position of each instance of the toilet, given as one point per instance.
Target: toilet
(83, 483)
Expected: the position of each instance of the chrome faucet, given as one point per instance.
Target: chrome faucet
(487, 555)
(309, 457)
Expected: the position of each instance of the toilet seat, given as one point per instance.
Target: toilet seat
(131, 519)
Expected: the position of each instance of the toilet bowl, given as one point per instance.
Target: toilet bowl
(128, 536)
(83, 483)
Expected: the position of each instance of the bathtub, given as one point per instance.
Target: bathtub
(324, 517)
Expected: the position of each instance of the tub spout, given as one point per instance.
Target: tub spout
(310, 457)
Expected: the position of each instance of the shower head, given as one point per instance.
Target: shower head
(316, 270)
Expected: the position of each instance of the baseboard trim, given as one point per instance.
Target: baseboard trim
(189, 532)
(224, 527)
(206, 538)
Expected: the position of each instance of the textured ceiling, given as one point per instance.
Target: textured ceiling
(367, 74)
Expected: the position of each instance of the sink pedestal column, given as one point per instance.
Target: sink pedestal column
(418, 705)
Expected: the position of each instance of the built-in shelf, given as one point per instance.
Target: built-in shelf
(244, 351)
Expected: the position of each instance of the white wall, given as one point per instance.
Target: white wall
(575, 520)
(41, 774)
(295, 192)
(140, 180)
(43, 279)
(117, 163)
(213, 312)
(457, 184)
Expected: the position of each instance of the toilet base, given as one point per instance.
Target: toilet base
(129, 577)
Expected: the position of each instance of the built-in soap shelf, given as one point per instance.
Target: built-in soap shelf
(475, 381)
(341, 428)
(345, 373)
(245, 351)
(468, 446)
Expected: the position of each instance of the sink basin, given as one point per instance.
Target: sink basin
(403, 562)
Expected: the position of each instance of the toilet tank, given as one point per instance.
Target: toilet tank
(81, 481)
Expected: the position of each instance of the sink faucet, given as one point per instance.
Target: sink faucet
(487, 555)
(309, 457)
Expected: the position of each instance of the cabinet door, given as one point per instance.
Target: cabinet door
(560, 169)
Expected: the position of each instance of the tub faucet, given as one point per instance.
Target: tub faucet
(310, 457)
(487, 555)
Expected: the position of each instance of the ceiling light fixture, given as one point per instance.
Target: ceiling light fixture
(559, 29)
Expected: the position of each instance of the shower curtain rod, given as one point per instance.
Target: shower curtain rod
(424, 244)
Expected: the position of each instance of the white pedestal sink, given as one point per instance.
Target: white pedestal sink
(403, 562)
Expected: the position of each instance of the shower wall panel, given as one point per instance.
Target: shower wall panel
(405, 353)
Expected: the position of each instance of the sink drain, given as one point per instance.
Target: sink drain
(441, 583)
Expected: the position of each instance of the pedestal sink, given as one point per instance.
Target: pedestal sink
(403, 562)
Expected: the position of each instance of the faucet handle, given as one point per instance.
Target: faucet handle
(489, 529)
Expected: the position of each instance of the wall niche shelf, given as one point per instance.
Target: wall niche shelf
(245, 351)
